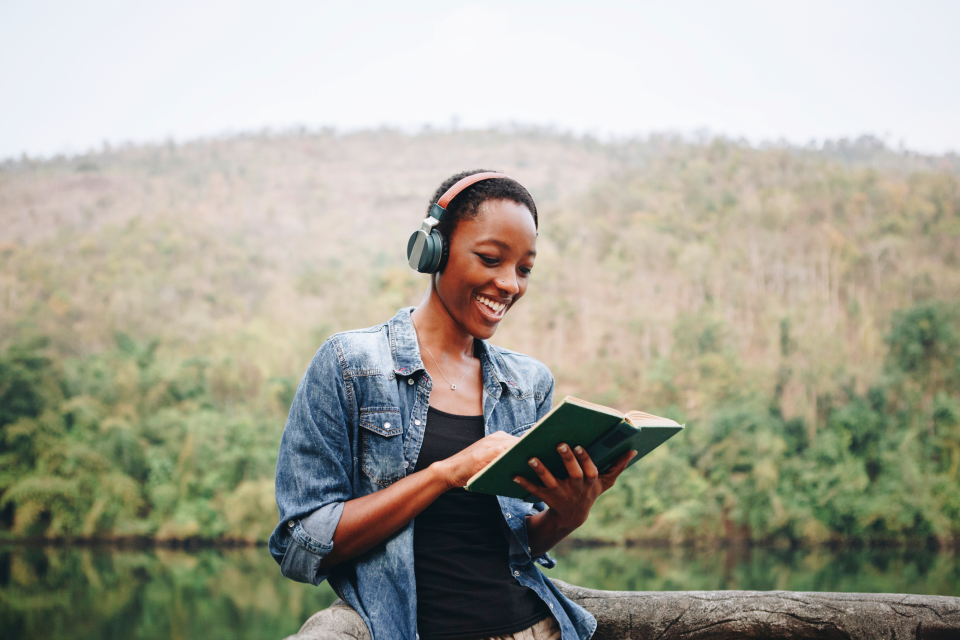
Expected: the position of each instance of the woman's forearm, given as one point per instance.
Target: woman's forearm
(371, 519)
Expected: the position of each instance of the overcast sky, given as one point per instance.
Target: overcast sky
(76, 74)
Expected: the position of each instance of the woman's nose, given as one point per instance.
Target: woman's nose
(508, 285)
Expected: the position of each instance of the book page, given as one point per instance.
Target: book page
(636, 418)
(640, 419)
(593, 405)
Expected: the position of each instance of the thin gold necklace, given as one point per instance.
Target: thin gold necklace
(452, 385)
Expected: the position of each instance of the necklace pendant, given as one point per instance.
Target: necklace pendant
(454, 387)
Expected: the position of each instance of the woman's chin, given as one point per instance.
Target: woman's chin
(482, 331)
(482, 327)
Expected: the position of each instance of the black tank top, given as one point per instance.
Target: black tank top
(464, 586)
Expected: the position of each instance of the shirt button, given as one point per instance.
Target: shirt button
(405, 464)
(291, 524)
(416, 422)
(517, 574)
(386, 425)
(508, 515)
(410, 381)
(551, 605)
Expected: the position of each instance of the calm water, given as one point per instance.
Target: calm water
(176, 595)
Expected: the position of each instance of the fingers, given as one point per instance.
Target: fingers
(569, 461)
(528, 486)
(486, 456)
(617, 468)
(501, 436)
(589, 469)
(546, 477)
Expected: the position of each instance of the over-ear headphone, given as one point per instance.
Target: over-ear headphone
(427, 249)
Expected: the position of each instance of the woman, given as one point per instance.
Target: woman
(389, 423)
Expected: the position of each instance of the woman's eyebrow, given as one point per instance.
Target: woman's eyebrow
(503, 245)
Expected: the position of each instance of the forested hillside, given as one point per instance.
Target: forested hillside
(797, 308)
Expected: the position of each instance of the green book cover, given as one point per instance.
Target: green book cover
(604, 432)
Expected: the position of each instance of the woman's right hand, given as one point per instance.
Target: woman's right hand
(460, 467)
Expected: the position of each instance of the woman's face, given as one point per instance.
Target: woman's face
(489, 266)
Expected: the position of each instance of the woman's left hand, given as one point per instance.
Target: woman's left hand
(571, 498)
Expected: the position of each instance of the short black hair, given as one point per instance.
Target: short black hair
(466, 206)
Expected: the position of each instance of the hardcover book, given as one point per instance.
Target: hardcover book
(604, 432)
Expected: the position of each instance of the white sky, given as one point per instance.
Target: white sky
(76, 74)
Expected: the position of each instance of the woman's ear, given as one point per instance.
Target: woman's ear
(444, 254)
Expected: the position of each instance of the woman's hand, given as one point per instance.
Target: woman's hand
(459, 468)
(570, 499)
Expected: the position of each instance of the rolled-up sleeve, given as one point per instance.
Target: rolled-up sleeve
(314, 470)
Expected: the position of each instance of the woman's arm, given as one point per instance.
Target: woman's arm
(571, 499)
(371, 519)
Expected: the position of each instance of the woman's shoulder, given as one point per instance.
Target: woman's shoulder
(364, 350)
(526, 370)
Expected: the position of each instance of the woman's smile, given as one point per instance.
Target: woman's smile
(490, 308)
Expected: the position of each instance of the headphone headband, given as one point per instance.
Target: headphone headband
(463, 183)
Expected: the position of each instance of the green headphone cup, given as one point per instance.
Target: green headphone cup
(433, 250)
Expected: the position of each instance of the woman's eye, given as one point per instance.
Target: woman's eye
(526, 270)
(487, 259)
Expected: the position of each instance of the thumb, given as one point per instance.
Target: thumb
(617, 468)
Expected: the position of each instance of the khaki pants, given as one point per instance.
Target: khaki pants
(546, 629)
(339, 622)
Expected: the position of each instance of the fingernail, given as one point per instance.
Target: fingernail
(516, 479)
(562, 448)
(578, 449)
(633, 454)
(534, 463)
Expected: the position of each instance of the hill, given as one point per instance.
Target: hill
(796, 307)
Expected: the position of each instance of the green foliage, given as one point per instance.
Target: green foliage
(880, 469)
(136, 446)
(925, 344)
(796, 308)
(24, 381)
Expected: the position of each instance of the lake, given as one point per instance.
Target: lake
(160, 594)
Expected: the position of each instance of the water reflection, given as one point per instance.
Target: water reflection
(68, 593)
(155, 594)
(678, 569)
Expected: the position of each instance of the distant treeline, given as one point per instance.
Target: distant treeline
(119, 444)
(796, 308)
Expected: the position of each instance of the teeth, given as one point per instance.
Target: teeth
(496, 306)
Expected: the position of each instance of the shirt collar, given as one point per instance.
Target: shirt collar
(406, 354)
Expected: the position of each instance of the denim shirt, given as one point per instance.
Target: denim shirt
(355, 427)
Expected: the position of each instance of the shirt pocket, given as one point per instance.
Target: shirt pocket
(381, 445)
(523, 413)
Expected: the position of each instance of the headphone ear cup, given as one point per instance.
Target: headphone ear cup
(432, 254)
(444, 251)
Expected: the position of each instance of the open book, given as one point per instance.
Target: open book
(604, 432)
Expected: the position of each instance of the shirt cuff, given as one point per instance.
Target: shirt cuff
(546, 560)
(311, 540)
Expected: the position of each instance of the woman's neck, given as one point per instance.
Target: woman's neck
(439, 331)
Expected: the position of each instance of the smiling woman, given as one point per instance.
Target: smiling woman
(376, 441)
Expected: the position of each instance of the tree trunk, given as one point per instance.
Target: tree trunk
(724, 615)
(719, 615)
